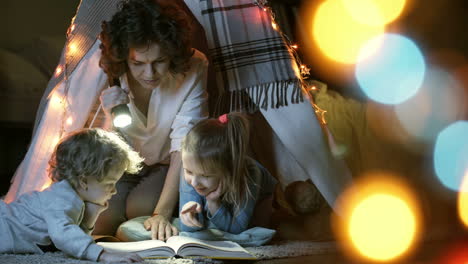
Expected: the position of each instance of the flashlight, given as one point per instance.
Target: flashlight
(120, 114)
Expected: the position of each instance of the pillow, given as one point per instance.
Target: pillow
(133, 230)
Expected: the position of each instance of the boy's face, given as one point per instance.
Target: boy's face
(202, 181)
(100, 192)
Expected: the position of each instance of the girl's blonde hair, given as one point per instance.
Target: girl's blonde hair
(222, 147)
(91, 153)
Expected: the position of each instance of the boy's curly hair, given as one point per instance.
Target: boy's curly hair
(91, 153)
(139, 23)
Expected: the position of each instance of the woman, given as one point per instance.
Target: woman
(146, 45)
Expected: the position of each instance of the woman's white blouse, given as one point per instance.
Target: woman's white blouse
(174, 107)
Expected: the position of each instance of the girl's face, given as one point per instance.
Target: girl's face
(203, 182)
(148, 65)
(100, 192)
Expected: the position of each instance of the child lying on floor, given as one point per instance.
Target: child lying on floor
(84, 169)
(222, 187)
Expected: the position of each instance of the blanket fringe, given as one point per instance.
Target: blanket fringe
(264, 96)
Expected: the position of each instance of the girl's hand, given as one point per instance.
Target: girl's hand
(188, 214)
(161, 228)
(215, 195)
(111, 97)
(108, 257)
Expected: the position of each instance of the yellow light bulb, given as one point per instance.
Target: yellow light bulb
(273, 24)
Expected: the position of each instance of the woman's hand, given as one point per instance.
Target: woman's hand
(108, 257)
(161, 228)
(111, 97)
(188, 214)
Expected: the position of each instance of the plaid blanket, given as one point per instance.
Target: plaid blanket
(250, 58)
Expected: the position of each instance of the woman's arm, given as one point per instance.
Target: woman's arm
(160, 223)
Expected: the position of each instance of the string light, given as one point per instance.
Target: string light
(72, 49)
(58, 71)
(304, 70)
(69, 121)
(275, 27)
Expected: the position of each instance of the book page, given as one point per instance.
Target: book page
(188, 246)
(145, 248)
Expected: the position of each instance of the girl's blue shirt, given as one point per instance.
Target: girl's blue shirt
(262, 186)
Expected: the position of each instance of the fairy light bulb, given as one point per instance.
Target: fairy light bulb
(58, 71)
(69, 121)
(72, 48)
(275, 27)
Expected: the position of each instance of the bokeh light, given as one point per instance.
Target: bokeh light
(451, 155)
(463, 200)
(338, 35)
(380, 218)
(438, 103)
(454, 253)
(375, 13)
(394, 72)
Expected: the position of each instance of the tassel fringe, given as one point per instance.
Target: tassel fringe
(264, 96)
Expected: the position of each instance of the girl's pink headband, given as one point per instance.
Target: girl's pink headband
(223, 119)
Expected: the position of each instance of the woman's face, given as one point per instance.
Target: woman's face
(148, 65)
(204, 182)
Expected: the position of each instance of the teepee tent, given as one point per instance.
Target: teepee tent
(252, 63)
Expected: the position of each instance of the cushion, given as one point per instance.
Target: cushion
(133, 230)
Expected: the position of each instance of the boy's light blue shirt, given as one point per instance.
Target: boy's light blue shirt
(262, 185)
(40, 218)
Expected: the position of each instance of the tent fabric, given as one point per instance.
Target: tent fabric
(82, 34)
(300, 149)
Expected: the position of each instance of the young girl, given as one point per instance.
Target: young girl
(222, 186)
(84, 168)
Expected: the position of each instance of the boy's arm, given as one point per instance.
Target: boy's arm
(68, 237)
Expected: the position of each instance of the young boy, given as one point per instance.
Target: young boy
(84, 169)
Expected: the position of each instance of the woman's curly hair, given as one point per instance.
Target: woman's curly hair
(139, 23)
(91, 153)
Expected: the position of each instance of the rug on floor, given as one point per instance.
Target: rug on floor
(281, 250)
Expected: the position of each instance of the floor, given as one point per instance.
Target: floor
(433, 252)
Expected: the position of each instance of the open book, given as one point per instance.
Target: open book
(180, 246)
